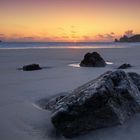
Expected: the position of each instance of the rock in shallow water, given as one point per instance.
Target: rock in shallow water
(31, 67)
(92, 60)
(109, 100)
(124, 66)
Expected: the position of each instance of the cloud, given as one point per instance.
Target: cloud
(106, 37)
(100, 36)
(73, 26)
(129, 33)
(60, 28)
(65, 37)
(109, 36)
(73, 32)
(28, 38)
(86, 37)
(112, 33)
(1, 35)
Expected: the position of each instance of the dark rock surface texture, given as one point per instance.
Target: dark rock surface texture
(31, 67)
(124, 66)
(109, 100)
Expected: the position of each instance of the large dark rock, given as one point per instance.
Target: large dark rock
(135, 78)
(124, 66)
(92, 60)
(31, 67)
(109, 100)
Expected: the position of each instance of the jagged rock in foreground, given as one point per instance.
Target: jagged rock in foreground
(92, 60)
(31, 67)
(49, 104)
(135, 78)
(124, 66)
(109, 100)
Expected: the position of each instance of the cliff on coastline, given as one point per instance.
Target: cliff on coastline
(135, 38)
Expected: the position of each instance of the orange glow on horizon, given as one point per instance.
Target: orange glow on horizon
(81, 21)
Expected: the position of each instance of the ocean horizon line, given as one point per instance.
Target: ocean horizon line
(58, 42)
(65, 45)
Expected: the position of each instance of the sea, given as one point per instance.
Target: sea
(64, 45)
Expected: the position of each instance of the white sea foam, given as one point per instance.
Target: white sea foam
(109, 63)
(77, 65)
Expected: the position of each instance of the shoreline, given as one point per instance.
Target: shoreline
(65, 46)
(20, 90)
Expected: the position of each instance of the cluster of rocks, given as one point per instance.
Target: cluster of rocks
(90, 60)
(109, 100)
(94, 59)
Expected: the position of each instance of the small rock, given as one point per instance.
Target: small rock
(31, 67)
(92, 60)
(125, 66)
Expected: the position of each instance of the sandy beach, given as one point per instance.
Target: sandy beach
(20, 116)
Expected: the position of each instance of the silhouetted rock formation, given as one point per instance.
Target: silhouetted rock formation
(124, 39)
(135, 38)
(31, 67)
(92, 60)
(124, 66)
(0, 41)
(116, 40)
(109, 100)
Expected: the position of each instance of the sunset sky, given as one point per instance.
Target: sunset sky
(68, 20)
